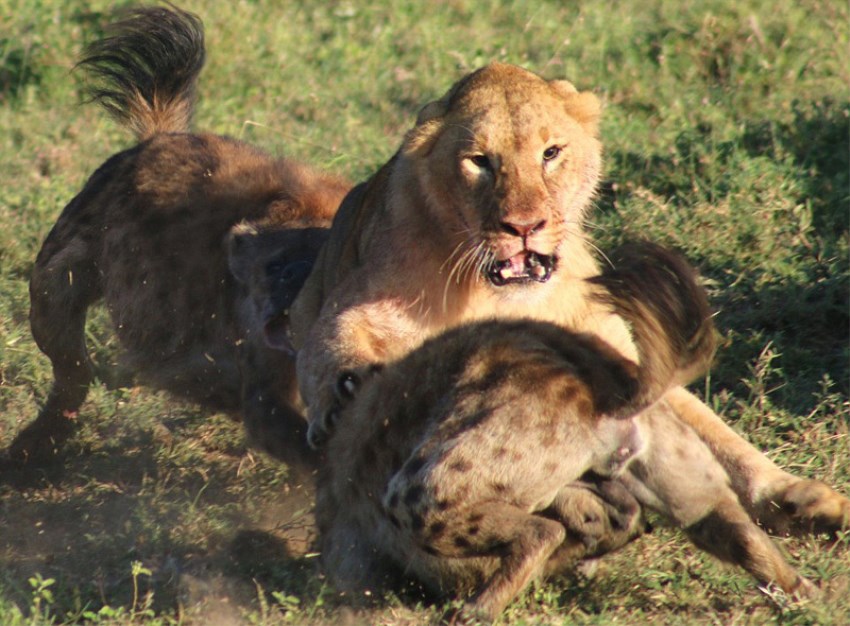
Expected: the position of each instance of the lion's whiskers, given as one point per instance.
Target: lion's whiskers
(587, 239)
(485, 258)
(592, 225)
(458, 248)
(468, 259)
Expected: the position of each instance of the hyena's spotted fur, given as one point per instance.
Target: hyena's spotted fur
(503, 450)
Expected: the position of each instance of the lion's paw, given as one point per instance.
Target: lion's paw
(807, 506)
(345, 390)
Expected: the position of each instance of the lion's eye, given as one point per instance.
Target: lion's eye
(481, 162)
(551, 152)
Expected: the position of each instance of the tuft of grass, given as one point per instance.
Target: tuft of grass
(726, 132)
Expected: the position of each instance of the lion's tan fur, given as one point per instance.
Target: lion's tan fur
(395, 270)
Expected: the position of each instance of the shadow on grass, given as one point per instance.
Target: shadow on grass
(205, 543)
(808, 324)
(779, 284)
(816, 141)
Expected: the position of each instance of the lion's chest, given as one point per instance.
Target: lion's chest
(569, 305)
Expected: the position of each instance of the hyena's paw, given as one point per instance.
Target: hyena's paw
(598, 518)
(806, 506)
(41, 441)
(621, 519)
(347, 385)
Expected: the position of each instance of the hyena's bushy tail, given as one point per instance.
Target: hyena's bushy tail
(659, 294)
(146, 67)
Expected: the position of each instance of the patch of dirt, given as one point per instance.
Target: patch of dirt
(211, 543)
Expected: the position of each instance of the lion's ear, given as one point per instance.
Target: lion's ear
(420, 139)
(439, 108)
(431, 111)
(586, 108)
(564, 87)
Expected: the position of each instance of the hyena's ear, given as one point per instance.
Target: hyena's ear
(583, 106)
(242, 257)
(284, 278)
(252, 246)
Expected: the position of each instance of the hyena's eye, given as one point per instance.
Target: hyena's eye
(347, 385)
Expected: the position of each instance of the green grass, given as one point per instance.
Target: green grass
(726, 132)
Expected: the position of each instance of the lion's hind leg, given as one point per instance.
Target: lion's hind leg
(728, 533)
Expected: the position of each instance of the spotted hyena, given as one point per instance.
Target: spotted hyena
(503, 450)
(196, 243)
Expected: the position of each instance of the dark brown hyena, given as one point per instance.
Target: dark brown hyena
(503, 450)
(196, 243)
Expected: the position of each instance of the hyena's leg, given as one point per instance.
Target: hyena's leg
(352, 546)
(599, 517)
(275, 426)
(522, 542)
(781, 502)
(678, 475)
(64, 283)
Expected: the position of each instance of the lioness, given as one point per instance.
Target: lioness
(458, 463)
(479, 215)
(197, 244)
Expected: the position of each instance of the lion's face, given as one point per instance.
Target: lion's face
(509, 163)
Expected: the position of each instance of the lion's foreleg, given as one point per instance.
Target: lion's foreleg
(341, 350)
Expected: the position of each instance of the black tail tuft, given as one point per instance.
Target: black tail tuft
(146, 68)
(658, 292)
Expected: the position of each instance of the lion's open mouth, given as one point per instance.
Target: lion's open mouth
(524, 267)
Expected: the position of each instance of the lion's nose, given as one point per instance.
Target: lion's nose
(522, 228)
